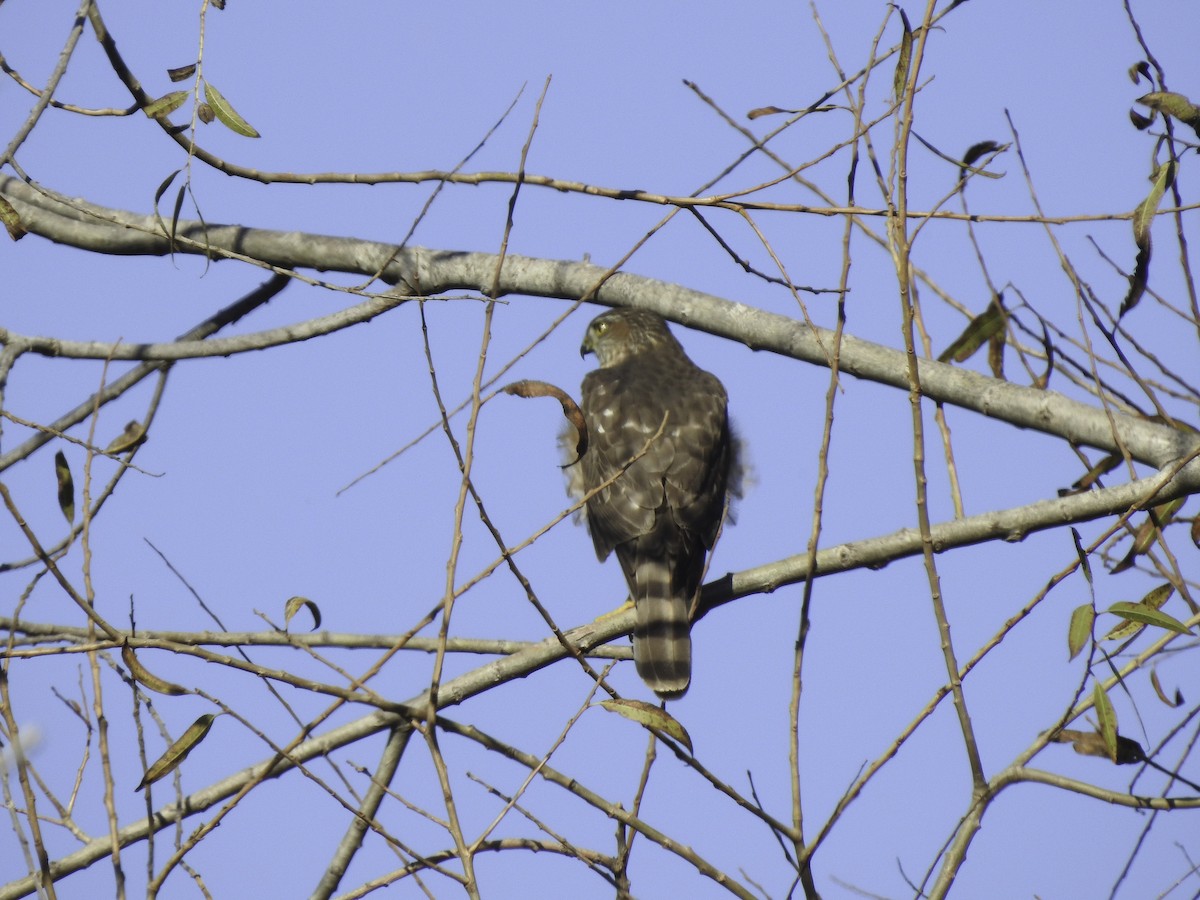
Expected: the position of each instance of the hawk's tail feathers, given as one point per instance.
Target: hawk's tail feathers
(662, 640)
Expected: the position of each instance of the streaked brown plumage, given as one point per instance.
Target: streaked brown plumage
(662, 514)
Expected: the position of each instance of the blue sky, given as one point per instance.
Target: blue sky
(247, 454)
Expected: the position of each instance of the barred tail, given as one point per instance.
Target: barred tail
(662, 640)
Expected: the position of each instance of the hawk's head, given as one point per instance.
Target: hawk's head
(619, 334)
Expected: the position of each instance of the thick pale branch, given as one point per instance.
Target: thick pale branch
(424, 272)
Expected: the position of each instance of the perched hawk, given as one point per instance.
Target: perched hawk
(662, 514)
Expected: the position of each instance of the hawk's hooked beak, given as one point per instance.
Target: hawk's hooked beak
(586, 347)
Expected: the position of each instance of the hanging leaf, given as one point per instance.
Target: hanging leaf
(1140, 70)
(904, 59)
(1091, 477)
(226, 113)
(1082, 554)
(178, 751)
(982, 328)
(653, 717)
(1162, 695)
(295, 604)
(182, 73)
(146, 678)
(66, 487)
(1106, 718)
(569, 407)
(1153, 600)
(768, 111)
(1080, 630)
(1143, 216)
(1148, 531)
(1091, 743)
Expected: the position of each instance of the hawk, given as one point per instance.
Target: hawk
(662, 513)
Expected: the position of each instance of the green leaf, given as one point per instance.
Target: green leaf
(1147, 615)
(165, 105)
(295, 604)
(1177, 106)
(66, 487)
(1080, 630)
(653, 717)
(1106, 718)
(1151, 602)
(134, 435)
(178, 751)
(227, 115)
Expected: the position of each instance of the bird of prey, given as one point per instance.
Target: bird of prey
(660, 442)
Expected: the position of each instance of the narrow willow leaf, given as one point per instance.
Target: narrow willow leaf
(178, 751)
(651, 716)
(1147, 615)
(1143, 216)
(1080, 630)
(983, 327)
(295, 604)
(1082, 554)
(1151, 602)
(1106, 719)
(904, 59)
(165, 105)
(11, 220)
(146, 678)
(66, 487)
(1091, 478)
(227, 115)
(182, 73)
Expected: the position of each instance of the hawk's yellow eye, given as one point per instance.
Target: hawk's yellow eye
(601, 327)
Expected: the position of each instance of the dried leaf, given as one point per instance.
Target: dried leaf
(767, 111)
(227, 115)
(1091, 477)
(1090, 743)
(182, 73)
(982, 328)
(178, 751)
(1106, 718)
(977, 151)
(653, 717)
(295, 604)
(11, 220)
(1143, 216)
(146, 678)
(66, 487)
(904, 58)
(134, 435)
(1141, 69)
(1080, 630)
(1140, 122)
(165, 105)
(205, 113)
(569, 407)
(1162, 695)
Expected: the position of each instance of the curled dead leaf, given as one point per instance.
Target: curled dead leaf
(570, 409)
